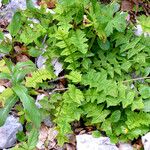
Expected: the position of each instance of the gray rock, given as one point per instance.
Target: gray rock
(8, 132)
(47, 121)
(88, 142)
(146, 141)
(7, 12)
(14, 5)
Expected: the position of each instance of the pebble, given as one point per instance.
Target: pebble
(125, 146)
(146, 141)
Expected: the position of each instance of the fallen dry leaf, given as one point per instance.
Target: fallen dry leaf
(50, 3)
(43, 134)
(20, 49)
(5, 82)
(22, 58)
(52, 133)
(127, 5)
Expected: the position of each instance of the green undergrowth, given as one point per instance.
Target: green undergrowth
(106, 66)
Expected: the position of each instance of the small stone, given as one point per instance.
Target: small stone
(40, 62)
(88, 142)
(50, 10)
(2, 88)
(146, 141)
(138, 30)
(57, 66)
(125, 146)
(39, 97)
(8, 132)
(34, 20)
(47, 121)
(8, 36)
(0, 3)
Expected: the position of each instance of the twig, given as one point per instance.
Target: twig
(44, 39)
(59, 78)
(135, 79)
(55, 90)
(43, 42)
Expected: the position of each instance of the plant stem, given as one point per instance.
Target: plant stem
(53, 91)
(135, 79)
(57, 79)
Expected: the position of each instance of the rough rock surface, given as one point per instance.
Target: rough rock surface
(146, 141)
(125, 146)
(88, 142)
(8, 132)
(14, 5)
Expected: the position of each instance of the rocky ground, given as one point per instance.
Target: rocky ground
(83, 140)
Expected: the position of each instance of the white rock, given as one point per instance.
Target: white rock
(40, 145)
(40, 62)
(146, 34)
(125, 146)
(88, 142)
(138, 30)
(34, 20)
(50, 10)
(132, 86)
(39, 97)
(7, 36)
(8, 132)
(146, 141)
(57, 66)
(31, 25)
(2, 88)
(0, 3)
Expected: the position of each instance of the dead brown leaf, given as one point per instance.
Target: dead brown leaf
(43, 134)
(50, 3)
(127, 5)
(20, 49)
(22, 58)
(138, 144)
(5, 82)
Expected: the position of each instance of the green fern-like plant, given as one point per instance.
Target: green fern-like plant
(38, 77)
(105, 64)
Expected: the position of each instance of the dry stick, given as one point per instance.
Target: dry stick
(136, 79)
(43, 42)
(53, 91)
(59, 78)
